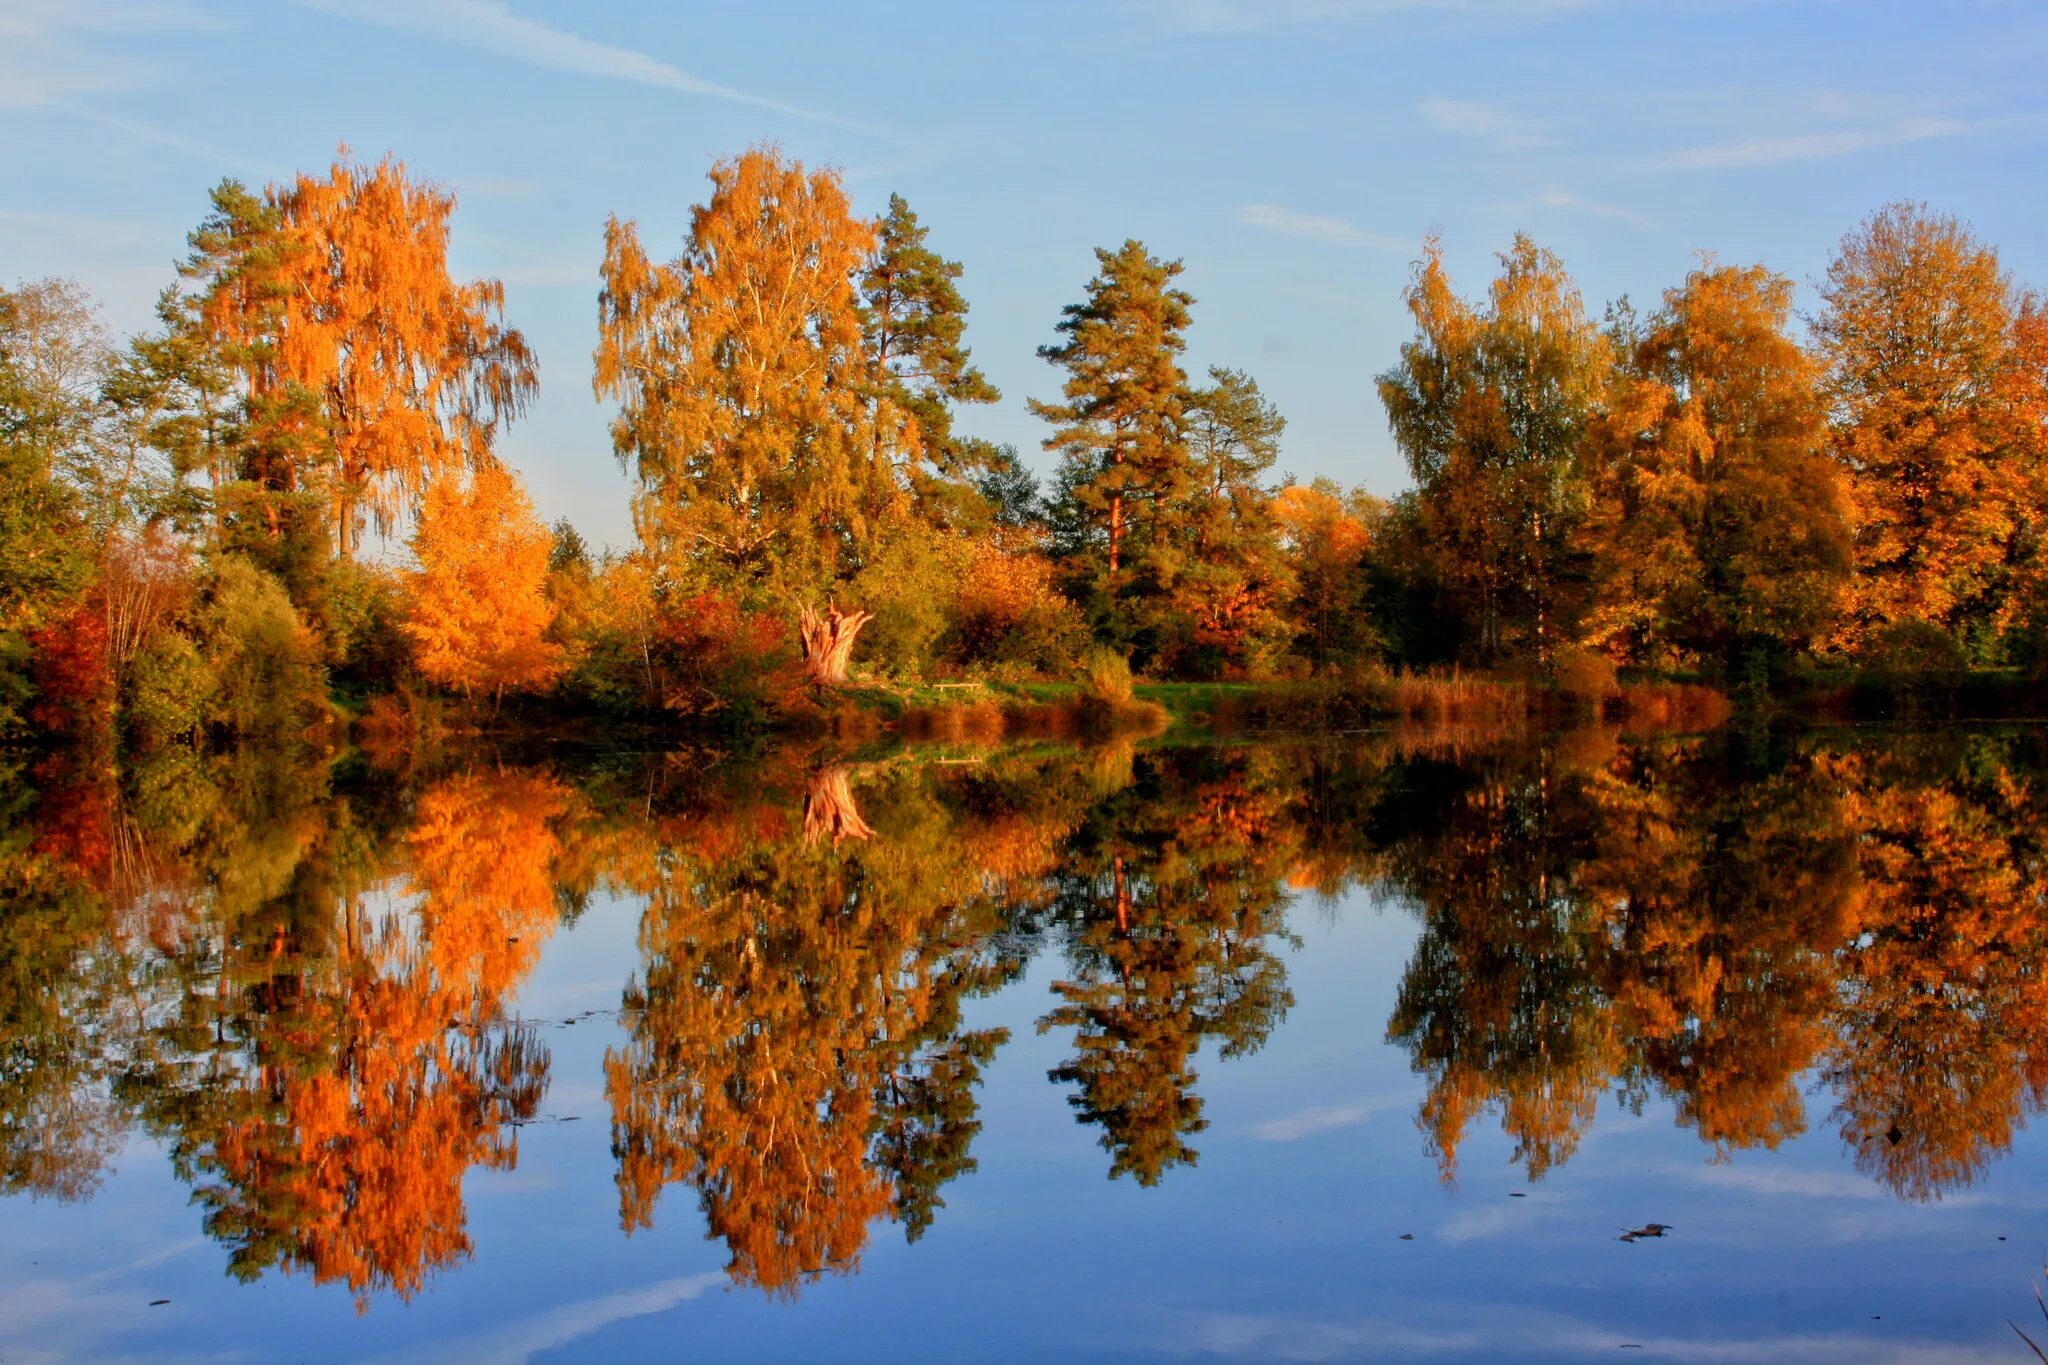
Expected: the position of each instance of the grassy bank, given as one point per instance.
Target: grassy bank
(1101, 707)
(992, 711)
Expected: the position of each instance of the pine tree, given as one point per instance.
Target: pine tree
(1232, 581)
(915, 321)
(1119, 432)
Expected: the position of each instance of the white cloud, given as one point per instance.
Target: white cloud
(1495, 125)
(1777, 1181)
(45, 55)
(1562, 199)
(524, 1338)
(489, 26)
(1320, 1119)
(1212, 16)
(33, 18)
(1481, 1221)
(1777, 151)
(1482, 1330)
(1312, 226)
(164, 137)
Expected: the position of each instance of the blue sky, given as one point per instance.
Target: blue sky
(1292, 152)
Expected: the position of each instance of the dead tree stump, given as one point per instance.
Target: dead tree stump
(828, 642)
(829, 808)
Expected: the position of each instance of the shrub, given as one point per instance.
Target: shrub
(1008, 618)
(74, 677)
(367, 644)
(909, 587)
(711, 659)
(268, 674)
(1106, 676)
(1913, 651)
(1585, 676)
(168, 687)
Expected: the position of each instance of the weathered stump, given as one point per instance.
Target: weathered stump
(829, 808)
(828, 642)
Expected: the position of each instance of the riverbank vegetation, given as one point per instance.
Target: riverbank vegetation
(283, 510)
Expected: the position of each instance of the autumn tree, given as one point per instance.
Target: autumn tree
(1918, 330)
(43, 548)
(320, 349)
(795, 1050)
(345, 1063)
(415, 373)
(750, 414)
(1719, 528)
(481, 611)
(1118, 432)
(1942, 1049)
(1327, 533)
(1498, 1007)
(1490, 404)
(916, 321)
(1730, 880)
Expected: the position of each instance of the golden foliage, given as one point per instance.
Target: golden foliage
(749, 412)
(413, 372)
(1939, 419)
(480, 607)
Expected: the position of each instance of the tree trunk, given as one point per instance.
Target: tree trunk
(829, 808)
(1116, 532)
(828, 642)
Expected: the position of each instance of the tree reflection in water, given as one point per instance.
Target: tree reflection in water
(302, 979)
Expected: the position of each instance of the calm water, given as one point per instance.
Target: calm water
(1275, 1051)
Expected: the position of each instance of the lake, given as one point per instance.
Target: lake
(1454, 1045)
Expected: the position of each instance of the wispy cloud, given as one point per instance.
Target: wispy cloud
(1563, 199)
(1224, 16)
(1823, 146)
(48, 53)
(164, 137)
(524, 1338)
(1320, 1119)
(1313, 226)
(1497, 126)
(100, 232)
(489, 26)
(1777, 1182)
(1466, 1328)
(1481, 1221)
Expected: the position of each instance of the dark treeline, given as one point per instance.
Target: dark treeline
(1710, 488)
(299, 975)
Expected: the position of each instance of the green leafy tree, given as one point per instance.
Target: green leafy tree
(46, 413)
(1490, 404)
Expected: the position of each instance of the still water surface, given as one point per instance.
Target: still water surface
(1269, 1051)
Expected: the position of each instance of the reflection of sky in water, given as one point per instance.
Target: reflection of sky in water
(1285, 1242)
